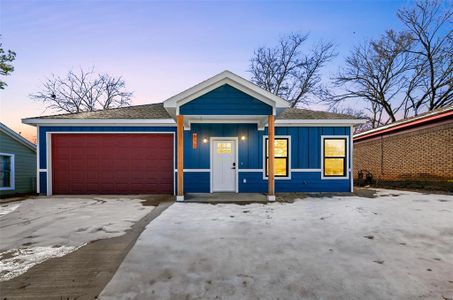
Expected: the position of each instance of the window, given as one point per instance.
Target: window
(281, 164)
(224, 148)
(6, 171)
(334, 156)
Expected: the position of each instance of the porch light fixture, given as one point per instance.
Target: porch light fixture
(205, 141)
(243, 138)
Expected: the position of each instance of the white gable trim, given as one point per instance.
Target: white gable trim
(226, 77)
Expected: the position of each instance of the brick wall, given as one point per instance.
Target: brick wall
(419, 154)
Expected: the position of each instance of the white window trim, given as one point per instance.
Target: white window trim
(323, 137)
(289, 157)
(13, 173)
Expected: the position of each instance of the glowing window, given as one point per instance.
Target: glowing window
(334, 157)
(280, 157)
(224, 148)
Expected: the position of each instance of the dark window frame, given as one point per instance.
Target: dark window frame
(344, 158)
(266, 157)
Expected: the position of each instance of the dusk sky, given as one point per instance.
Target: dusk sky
(162, 48)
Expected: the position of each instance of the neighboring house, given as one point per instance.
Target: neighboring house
(417, 149)
(17, 164)
(209, 138)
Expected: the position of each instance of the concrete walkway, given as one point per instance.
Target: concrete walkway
(215, 198)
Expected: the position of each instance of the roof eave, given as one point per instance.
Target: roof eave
(14, 135)
(321, 121)
(403, 125)
(48, 121)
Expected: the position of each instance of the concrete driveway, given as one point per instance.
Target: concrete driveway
(396, 245)
(68, 247)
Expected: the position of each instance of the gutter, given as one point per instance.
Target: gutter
(404, 125)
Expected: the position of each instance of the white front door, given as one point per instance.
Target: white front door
(223, 165)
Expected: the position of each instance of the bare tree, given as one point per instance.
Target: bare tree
(430, 27)
(377, 73)
(289, 72)
(83, 91)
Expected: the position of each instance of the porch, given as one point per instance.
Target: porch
(234, 198)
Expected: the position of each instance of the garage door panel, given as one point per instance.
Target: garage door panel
(112, 163)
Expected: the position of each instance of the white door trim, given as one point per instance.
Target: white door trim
(211, 152)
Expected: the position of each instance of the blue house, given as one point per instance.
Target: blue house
(213, 137)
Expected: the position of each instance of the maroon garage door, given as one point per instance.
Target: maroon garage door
(112, 163)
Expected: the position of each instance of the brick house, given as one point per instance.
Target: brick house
(416, 152)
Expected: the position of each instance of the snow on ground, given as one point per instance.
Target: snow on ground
(8, 208)
(17, 261)
(398, 245)
(42, 228)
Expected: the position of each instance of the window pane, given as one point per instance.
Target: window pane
(224, 148)
(279, 167)
(334, 147)
(281, 148)
(334, 167)
(5, 171)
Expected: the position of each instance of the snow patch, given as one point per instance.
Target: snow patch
(8, 208)
(15, 262)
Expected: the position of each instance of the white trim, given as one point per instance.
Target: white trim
(289, 158)
(306, 170)
(88, 122)
(251, 170)
(42, 170)
(49, 149)
(180, 198)
(317, 122)
(194, 170)
(38, 170)
(220, 79)
(220, 138)
(292, 170)
(351, 146)
(347, 171)
(12, 174)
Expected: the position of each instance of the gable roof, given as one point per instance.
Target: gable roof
(226, 77)
(156, 111)
(164, 113)
(430, 116)
(145, 111)
(14, 135)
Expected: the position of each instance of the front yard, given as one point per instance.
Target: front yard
(397, 245)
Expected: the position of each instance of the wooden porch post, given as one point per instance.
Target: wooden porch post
(271, 145)
(180, 133)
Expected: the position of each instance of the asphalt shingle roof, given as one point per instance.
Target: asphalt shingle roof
(146, 111)
(306, 114)
(157, 111)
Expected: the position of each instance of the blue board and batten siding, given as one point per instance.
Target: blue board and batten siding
(305, 154)
(225, 100)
